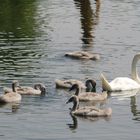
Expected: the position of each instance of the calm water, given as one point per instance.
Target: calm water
(35, 35)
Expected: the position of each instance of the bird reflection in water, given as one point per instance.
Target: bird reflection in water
(74, 125)
(132, 95)
(89, 19)
(123, 95)
(12, 106)
(134, 108)
(15, 108)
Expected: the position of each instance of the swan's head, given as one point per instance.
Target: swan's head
(74, 87)
(135, 59)
(73, 99)
(90, 83)
(137, 55)
(15, 82)
(40, 87)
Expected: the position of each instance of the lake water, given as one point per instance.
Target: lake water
(35, 35)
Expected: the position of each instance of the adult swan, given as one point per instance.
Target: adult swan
(123, 83)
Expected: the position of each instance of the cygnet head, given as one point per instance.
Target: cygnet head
(90, 82)
(73, 98)
(91, 85)
(15, 82)
(41, 87)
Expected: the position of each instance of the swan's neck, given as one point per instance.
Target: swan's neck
(13, 87)
(105, 84)
(93, 87)
(78, 90)
(134, 69)
(75, 105)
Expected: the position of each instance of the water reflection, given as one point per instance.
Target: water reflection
(134, 109)
(17, 20)
(74, 125)
(12, 106)
(20, 52)
(123, 95)
(17, 61)
(132, 94)
(89, 19)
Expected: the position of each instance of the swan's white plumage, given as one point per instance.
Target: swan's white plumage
(123, 83)
(119, 84)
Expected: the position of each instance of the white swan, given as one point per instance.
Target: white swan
(123, 83)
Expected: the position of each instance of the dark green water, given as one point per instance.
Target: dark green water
(35, 35)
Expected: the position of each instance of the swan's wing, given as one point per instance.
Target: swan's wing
(7, 90)
(74, 81)
(100, 113)
(124, 83)
(62, 84)
(84, 111)
(26, 90)
(93, 112)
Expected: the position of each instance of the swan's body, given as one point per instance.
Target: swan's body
(123, 83)
(25, 90)
(68, 83)
(87, 111)
(11, 96)
(37, 90)
(83, 55)
(88, 96)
